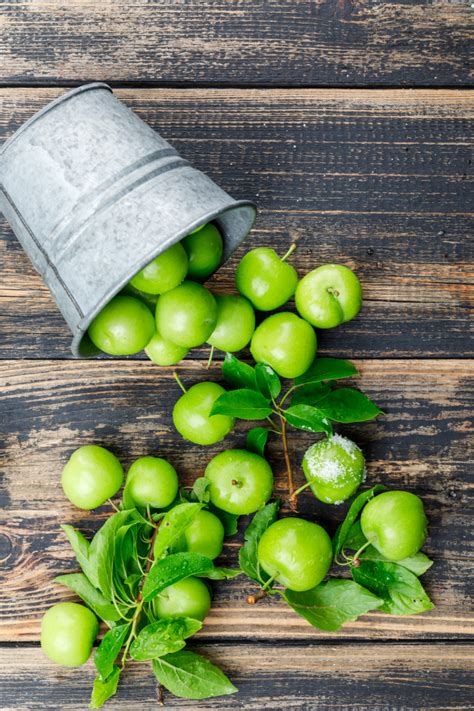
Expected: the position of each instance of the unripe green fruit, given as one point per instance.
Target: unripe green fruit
(68, 631)
(297, 553)
(192, 415)
(204, 248)
(91, 476)
(328, 296)
(265, 279)
(186, 315)
(235, 323)
(163, 273)
(152, 481)
(335, 467)
(205, 535)
(187, 598)
(123, 327)
(240, 481)
(395, 523)
(163, 352)
(286, 343)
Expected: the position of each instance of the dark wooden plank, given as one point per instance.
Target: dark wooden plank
(274, 42)
(377, 180)
(356, 676)
(50, 408)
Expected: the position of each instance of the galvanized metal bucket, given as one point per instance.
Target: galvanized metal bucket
(94, 194)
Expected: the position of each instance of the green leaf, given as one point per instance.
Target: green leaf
(256, 440)
(355, 538)
(248, 559)
(170, 570)
(163, 637)
(309, 394)
(221, 573)
(190, 676)
(104, 689)
(94, 599)
(418, 563)
(81, 547)
(268, 381)
(107, 651)
(102, 552)
(200, 490)
(342, 533)
(327, 369)
(228, 520)
(173, 525)
(402, 592)
(237, 373)
(348, 405)
(308, 418)
(329, 605)
(244, 404)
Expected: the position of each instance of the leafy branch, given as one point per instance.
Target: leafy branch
(314, 404)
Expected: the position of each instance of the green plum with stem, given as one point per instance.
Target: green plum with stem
(328, 296)
(163, 352)
(395, 523)
(123, 327)
(186, 315)
(91, 476)
(266, 279)
(187, 598)
(164, 272)
(286, 343)
(204, 248)
(68, 631)
(334, 468)
(152, 481)
(240, 482)
(192, 414)
(295, 553)
(235, 323)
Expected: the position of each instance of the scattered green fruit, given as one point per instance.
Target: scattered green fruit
(163, 273)
(123, 327)
(186, 315)
(205, 535)
(240, 481)
(152, 481)
(91, 476)
(265, 279)
(204, 248)
(328, 296)
(68, 631)
(192, 415)
(187, 598)
(163, 352)
(286, 343)
(235, 323)
(335, 468)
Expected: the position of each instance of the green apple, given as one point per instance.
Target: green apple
(286, 343)
(91, 476)
(123, 327)
(152, 481)
(186, 315)
(187, 598)
(192, 415)
(235, 323)
(240, 482)
(68, 631)
(265, 279)
(328, 296)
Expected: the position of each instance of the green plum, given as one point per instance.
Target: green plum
(235, 323)
(286, 343)
(123, 327)
(163, 352)
(240, 482)
(205, 535)
(68, 631)
(296, 553)
(395, 523)
(192, 415)
(152, 481)
(164, 272)
(91, 476)
(187, 598)
(265, 279)
(186, 315)
(328, 296)
(204, 248)
(335, 468)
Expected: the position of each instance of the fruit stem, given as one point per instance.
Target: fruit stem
(355, 559)
(113, 505)
(302, 488)
(290, 252)
(291, 496)
(211, 356)
(177, 378)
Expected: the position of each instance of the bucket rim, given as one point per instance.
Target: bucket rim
(81, 328)
(52, 105)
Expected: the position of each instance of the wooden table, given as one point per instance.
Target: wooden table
(348, 123)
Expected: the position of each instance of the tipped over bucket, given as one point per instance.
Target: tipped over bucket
(94, 194)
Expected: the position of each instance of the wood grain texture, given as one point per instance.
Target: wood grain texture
(50, 408)
(370, 677)
(256, 42)
(377, 180)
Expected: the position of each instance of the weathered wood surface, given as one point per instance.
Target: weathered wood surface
(268, 677)
(51, 408)
(253, 42)
(378, 180)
